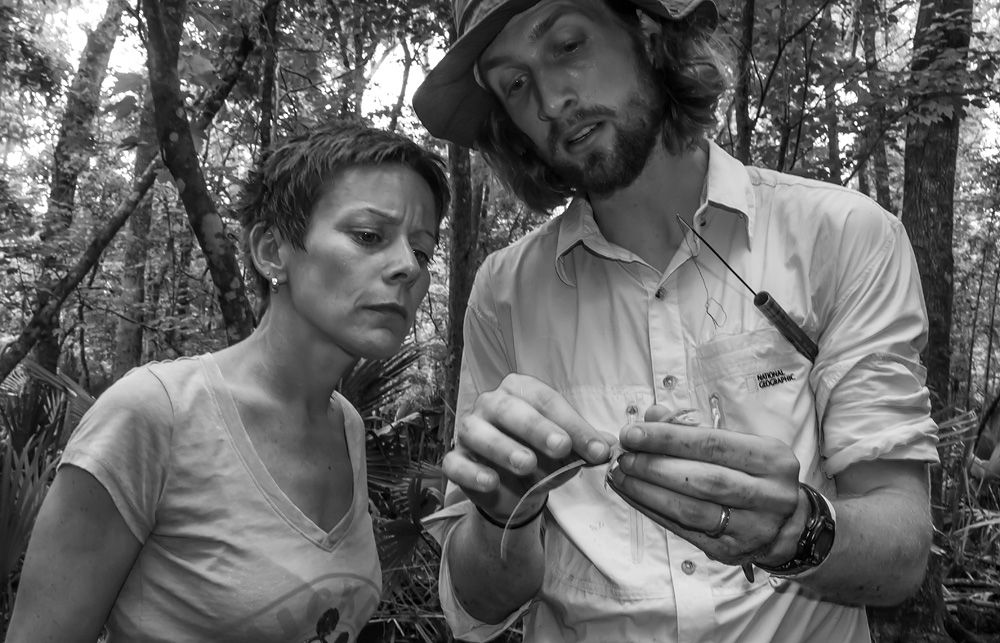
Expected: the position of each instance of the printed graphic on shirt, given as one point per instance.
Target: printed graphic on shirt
(327, 626)
(768, 379)
(317, 613)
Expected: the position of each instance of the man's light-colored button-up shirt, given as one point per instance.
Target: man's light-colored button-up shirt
(613, 335)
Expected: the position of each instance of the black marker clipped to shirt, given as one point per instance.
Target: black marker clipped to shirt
(768, 307)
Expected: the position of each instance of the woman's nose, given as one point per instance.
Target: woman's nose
(404, 267)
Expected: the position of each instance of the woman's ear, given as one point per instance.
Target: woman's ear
(265, 250)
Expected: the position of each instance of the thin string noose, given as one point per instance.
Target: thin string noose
(709, 299)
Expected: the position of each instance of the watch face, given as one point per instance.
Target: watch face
(824, 542)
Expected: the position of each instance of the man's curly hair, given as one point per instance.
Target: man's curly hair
(688, 58)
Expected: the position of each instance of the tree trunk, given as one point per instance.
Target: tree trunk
(164, 22)
(43, 315)
(785, 119)
(744, 132)
(461, 271)
(991, 331)
(987, 246)
(397, 109)
(180, 300)
(875, 128)
(834, 164)
(73, 150)
(269, 22)
(42, 318)
(943, 31)
(128, 335)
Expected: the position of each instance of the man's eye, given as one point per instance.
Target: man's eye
(571, 46)
(515, 85)
(367, 238)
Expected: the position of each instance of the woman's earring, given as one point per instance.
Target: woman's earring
(274, 284)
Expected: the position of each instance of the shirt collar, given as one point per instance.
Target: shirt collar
(728, 189)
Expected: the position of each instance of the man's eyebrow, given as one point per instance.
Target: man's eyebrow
(545, 25)
(537, 32)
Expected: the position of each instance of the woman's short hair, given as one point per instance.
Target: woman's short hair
(691, 62)
(281, 193)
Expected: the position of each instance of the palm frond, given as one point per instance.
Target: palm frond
(388, 464)
(957, 429)
(35, 402)
(374, 384)
(24, 479)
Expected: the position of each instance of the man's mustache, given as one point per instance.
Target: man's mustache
(563, 125)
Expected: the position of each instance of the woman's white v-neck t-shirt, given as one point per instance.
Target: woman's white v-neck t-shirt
(226, 556)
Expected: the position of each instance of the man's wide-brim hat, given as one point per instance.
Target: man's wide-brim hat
(450, 102)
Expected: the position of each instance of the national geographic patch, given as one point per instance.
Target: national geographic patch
(768, 379)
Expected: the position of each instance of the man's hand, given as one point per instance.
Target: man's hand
(514, 437)
(683, 477)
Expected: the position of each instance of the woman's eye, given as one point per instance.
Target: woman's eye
(423, 258)
(571, 46)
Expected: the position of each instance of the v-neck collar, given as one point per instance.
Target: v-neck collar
(255, 468)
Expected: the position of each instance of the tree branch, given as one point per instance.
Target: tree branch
(12, 354)
(164, 22)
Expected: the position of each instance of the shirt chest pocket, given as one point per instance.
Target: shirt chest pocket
(754, 382)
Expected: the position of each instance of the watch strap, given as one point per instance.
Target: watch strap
(816, 540)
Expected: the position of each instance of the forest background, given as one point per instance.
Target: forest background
(126, 128)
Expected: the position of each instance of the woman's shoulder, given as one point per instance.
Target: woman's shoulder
(151, 389)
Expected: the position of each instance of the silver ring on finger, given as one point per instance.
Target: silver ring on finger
(723, 523)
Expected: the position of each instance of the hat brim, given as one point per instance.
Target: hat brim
(453, 106)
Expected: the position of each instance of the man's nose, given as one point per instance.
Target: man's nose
(556, 93)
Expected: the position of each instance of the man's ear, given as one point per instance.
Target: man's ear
(266, 245)
(651, 30)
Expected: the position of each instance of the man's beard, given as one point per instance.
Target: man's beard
(605, 171)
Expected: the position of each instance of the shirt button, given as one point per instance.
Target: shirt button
(660, 293)
(669, 382)
(688, 567)
(632, 409)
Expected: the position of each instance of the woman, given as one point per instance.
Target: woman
(223, 497)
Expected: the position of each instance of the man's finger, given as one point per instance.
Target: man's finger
(585, 440)
(467, 473)
(701, 480)
(753, 454)
(675, 512)
(504, 448)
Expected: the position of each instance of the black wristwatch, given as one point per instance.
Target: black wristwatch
(816, 540)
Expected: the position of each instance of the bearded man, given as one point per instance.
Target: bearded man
(774, 471)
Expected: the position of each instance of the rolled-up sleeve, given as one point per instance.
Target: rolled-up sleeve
(485, 357)
(441, 526)
(869, 383)
(485, 362)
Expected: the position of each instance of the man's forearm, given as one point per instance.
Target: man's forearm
(880, 553)
(488, 588)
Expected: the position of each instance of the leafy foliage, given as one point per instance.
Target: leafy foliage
(834, 85)
(970, 536)
(38, 412)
